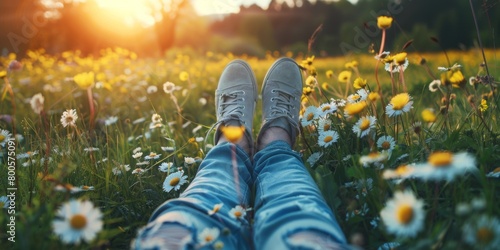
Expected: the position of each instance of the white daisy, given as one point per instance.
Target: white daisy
(327, 138)
(37, 103)
(110, 120)
(338, 102)
(404, 214)
(5, 136)
(237, 212)
(69, 118)
(152, 156)
(309, 116)
(494, 174)
(445, 165)
(118, 170)
(166, 166)
(216, 208)
(189, 160)
(139, 171)
(77, 220)
(138, 149)
(313, 158)
(174, 181)
(399, 104)
(327, 108)
(208, 235)
(139, 120)
(152, 89)
(391, 67)
(482, 232)
(386, 143)
(4, 202)
(169, 87)
(364, 125)
(137, 155)
(324, 124)
(168, 149)
(375, 158)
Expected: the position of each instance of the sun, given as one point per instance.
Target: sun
(128, 12)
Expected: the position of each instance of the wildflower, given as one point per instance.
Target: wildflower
(384, 22)
(344, 76)
(168, 149)
(208, 235)
(457, 79)
(216, 209)
(202, 101)
(119, 169)
(142, 163)
(359, 83)
(189, 160)
(399, 62)
(401, 172)
(4, 202)
(364, 125)
(434, 85)
(309, 116)
(327, 108)
(165, 166)
(445, 165)
(327, 138)
(404, 214)
(401, 103)
(308, 61)
(152, 156)
(483, 106)
(183, 76)
(110, 120)
(351, 65)
(375, 158)
(478, 203)
(237, 212)
(138, 171)
(454, 67)
(152, 89)
(137, 155)
(483, 232)
(139, 120)
(329, 74)
(494, 174)
(90, 149)
(174, 181)
(3, 74)
(338, 102)
(354, 108)
(25, 155)
(5, 136)
(386, 143)
(383, 56)
(84, 80)
(311, 81)
(77, 220)
(69, 118)
(307, 90)
(359, 96)
(37, 103)
(170, 87)
(233, 133)
(324, 125)
(313, 158)
(428, 115)
(462, 208)
(156, 118)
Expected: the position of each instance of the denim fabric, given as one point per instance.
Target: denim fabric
(290, 212)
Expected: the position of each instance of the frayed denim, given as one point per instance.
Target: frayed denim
(290, 212)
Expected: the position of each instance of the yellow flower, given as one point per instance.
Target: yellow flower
(324, 86)
(399, 58)
(309, 61)
(440, 158)
(384, 22)
(351, 65)
(233, 133)
(484, 105)
(345, 76)
(307, 90)
(428, 115)
(354, 108)
(399, 104)
(3, 73)
(329, 74)
(84, 80)
(373, 96)
(311, 81)
(359, 83)
(184, 76)
(457, 79)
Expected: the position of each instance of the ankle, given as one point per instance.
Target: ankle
(273, 134)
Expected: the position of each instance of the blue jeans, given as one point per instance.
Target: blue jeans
(289, 210)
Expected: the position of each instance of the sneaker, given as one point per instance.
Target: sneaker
(235, 99)
(281, 94)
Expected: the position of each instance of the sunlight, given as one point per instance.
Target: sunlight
(129, 12)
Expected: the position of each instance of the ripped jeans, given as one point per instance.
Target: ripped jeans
(289, 210)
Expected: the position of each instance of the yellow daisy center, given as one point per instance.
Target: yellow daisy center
(85, 187)
(310, 116)
(237, 214)
(78, 221)
(208, 238)
(326, 127)
(440, 159)
(2, 137)
(373, 155)
(484, 235)
(402, 169)
(69, 119)
(365, 124)
(152, 154)
(386, 145)
(326, 108)
(328, 138)
(355, 108)
(399, 101)
(174, 181)
(404, 214)
(496, 170)
(2, 204)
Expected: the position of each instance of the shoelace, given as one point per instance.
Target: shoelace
(284, 103)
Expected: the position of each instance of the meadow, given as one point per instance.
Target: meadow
(404, 147)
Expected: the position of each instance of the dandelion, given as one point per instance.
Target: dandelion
(354, 108)
(216, 209)
(359, 83)
(494, 174)
(77, 220)
(483, 232)
(399, 104)
(329, 74)
(5, 136)
(344, 76)
(152, 89)
(384, 22)
(170, 87)
(351, 65)
(183, 76)
(311, 81)
(403, 215)
(309, 116)
(37, 103)
(386, 143)
(84, 80)
(434, 85)
(445, 165)
(237, 212)
(327, 138)
(166, 166)
(483, 106)
(152, 156)
(69, 118)
(208, 235)
(174, 181)
(364, 125)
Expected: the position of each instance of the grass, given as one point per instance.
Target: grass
(55, 163)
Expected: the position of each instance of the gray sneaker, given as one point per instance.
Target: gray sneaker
(235, 99)
(281, 94)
